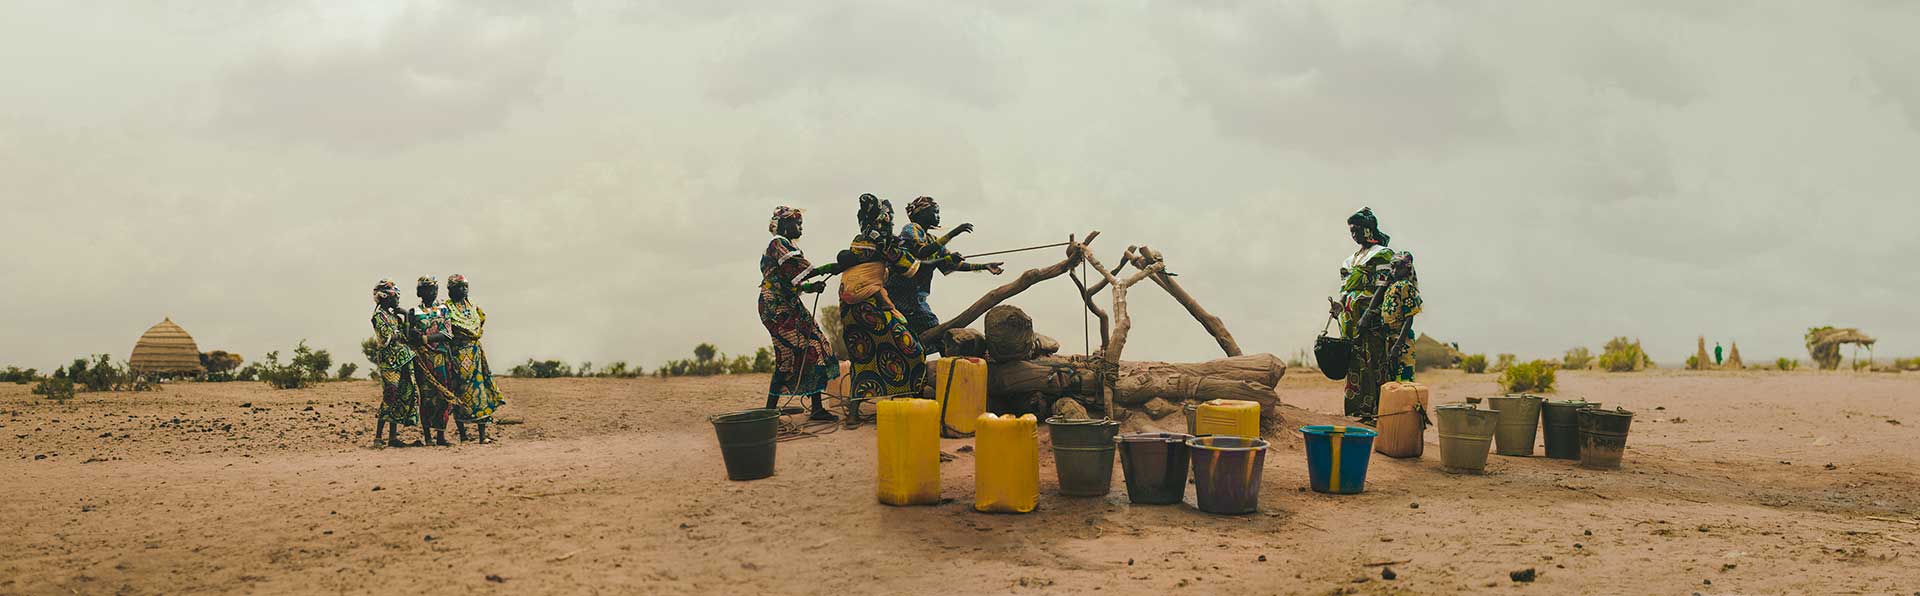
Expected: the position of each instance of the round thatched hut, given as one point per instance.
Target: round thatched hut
(166, 348)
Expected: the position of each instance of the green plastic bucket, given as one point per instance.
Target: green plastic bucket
(1466, 433)
(747, 439)
(1083, 455)
(1603, 437)
(1518, 426)
(1560, 422)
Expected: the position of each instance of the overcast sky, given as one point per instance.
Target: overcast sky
(603, 172)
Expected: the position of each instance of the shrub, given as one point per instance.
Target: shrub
(763, 360)
(542, 369)
(57, 388)
(619, 370)
(1906, 363)
(1577, 359)
(282, 376)
(346, 371)
(1622, 355)
(1693, 362)
(1786, 364)
(220, 364)
(1536, 376)
(314, 363)
(1475, 364)
(14, 375)
(1503, 362)
(248, 373)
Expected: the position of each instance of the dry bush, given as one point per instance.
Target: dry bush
(1530, 377)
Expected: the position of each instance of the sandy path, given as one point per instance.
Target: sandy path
(616, 487)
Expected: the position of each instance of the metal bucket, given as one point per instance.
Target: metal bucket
(747, 440)
(1155, 465)
(1226, 473)
(1083, 455)
(1518, 426)
(1561, 425)
(1466, 433)
(1603, 437)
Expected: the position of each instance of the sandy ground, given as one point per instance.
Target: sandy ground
(1735, 483)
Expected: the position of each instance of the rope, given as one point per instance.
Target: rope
(1003, 252)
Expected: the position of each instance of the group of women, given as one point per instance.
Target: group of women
(431, 366)
(886, 358)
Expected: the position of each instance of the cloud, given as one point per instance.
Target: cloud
(1288, 75)
(384, 76)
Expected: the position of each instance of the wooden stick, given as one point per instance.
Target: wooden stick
(1122, 322)
(1897, 521)
(1386, 563)
(1075, 252)
(1087, 299)
(1212, 324)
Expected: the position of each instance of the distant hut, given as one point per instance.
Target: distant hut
(1733, 358)
(166, 349)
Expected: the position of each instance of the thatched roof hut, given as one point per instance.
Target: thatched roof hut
(166, 348)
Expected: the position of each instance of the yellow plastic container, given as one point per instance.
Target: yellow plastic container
(960, 384)
(1228, 417)
(909, 453)
(1006, 464)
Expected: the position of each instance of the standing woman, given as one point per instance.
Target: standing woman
(803, 359)
(1361, 272)
(479, 398)
(399, 401)
(432, 337)
(887, 360)
(1398, 306)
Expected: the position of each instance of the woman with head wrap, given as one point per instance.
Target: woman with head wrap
(910, 292)
(431, 334)
(1360, 273)
(803, 358)
(472, 376)
(1397, 308)
(393, 361)
(886, 360)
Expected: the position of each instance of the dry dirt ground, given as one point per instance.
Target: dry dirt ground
(1735, 483)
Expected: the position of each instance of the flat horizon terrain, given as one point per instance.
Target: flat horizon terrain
(1734, 483)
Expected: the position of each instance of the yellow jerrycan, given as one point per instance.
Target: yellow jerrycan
(909, 454)
(1228, 417)
(961, 386)
(1006, 464)
(1402, 420)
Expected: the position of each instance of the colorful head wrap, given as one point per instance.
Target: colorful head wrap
(780, 214)
(427, 281)
(385, 289)
(1403, 264)
(920, 204)
(876, 215)
(456, 280)
(1370, 224)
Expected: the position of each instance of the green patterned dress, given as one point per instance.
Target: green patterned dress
(1364, 375)
(399, 399)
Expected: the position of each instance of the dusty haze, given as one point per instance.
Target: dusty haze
(603, 172)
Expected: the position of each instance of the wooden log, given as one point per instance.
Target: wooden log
(1075, 252)
(1213, 324)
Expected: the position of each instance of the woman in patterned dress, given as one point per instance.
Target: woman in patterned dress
(399, 401)
(803, 358)
(886, 359)
(473, 378)
(1361, 272)
(431, 335)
